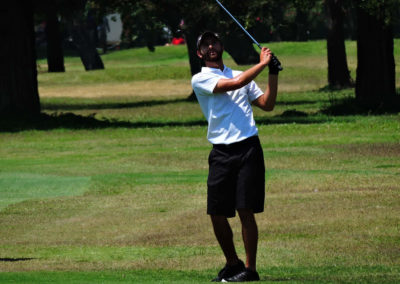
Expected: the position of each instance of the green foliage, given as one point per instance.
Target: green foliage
(141, 26)
(384, 10)
(269, 20)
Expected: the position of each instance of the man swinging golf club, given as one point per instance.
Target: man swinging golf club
(236, 180)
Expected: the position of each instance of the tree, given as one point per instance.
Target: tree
(141, 26)
(18, 75)
(55, 53)
(197, 18)
(338, 71)
(83, 28)
(79, 19)
(266, 19)
(302, 21)
(375, 83)
(236, 42)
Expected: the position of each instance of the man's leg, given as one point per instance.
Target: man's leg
(250, 236)
(224, 235)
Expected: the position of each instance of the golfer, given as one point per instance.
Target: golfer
(236, 180)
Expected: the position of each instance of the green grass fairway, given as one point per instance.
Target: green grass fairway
(108, 185)
(14, 187)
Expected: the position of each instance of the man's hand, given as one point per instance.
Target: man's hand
(268, 58)
(265, 56)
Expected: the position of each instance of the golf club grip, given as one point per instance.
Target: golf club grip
(276, 62)
(274, 59)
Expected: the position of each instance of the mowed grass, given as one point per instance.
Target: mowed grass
(111, 186)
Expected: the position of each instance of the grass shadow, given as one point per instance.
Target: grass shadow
(337, 109)
(52, 106)
(45, 121)
(300, 103)
(351, 106)
(11, 259)
(345, 104)
(73, 121)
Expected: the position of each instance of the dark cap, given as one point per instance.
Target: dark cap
(205, 35)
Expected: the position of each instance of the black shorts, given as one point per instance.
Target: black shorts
(236, 178)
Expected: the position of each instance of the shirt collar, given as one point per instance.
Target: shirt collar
(214, 70)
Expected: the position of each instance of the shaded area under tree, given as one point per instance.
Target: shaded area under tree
(18, 74)
(337, 109)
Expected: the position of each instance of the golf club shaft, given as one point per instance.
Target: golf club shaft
(237, 22)
(274, 58)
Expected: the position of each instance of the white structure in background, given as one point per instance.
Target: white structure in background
(113, 27)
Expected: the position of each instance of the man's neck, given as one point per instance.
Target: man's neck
(215, 64)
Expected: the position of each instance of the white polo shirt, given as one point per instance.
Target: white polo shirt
(229, 115)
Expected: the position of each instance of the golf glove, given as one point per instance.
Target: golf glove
(274, 65)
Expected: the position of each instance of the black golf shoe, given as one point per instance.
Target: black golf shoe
(229, 271)
(245, 276)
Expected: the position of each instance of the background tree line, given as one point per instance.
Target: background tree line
(371, 23)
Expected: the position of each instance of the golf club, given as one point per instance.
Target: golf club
(274, 58)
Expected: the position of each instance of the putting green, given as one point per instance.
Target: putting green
(13, 187)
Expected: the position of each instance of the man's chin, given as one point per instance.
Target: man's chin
(213, 58)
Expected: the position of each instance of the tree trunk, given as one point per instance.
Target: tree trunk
(84, 36)
(338, 71)
(375, 84)
(55, 53)
(18, 76)
(240, 47)
(194, 60)
(191, 42)
(301, 24)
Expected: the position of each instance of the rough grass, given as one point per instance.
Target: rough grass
(109, 184)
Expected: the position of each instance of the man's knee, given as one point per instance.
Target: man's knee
(220, 223)
(218, 219)
(247, 217)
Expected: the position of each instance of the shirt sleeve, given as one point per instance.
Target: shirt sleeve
(204, 84)
(254, 91)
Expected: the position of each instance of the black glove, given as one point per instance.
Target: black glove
(274, 65)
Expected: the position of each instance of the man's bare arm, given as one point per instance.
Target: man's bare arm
(267, 100)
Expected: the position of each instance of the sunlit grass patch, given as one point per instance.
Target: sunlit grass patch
(142, 89)
(16, 187)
